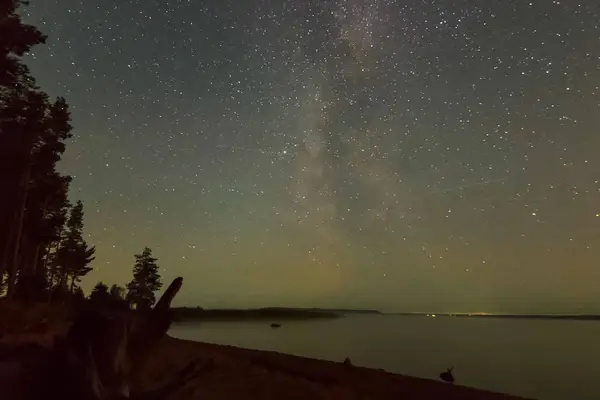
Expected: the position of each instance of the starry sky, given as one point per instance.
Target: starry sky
(431, 155)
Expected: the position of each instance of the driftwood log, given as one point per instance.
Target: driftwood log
(98, 359)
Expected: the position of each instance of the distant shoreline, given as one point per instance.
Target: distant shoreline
(582, 317)
(182, 314)
(273, 314)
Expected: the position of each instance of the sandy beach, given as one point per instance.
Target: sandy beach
(228, 372)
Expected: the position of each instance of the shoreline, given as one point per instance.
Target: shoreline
(228, 372)
(569, 317)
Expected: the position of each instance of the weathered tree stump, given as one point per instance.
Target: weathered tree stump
(100, 357)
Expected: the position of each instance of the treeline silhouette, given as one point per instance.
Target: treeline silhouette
(41, 243)
(43, 253)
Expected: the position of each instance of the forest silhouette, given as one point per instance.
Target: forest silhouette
(43, 251)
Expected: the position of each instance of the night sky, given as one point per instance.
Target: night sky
(401, 155)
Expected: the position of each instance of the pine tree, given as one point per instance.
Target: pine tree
(21, 124)
(16, 39)
(99, 295)
(102, 297)
(77, 297)
(45, 204)
(73, 255)
(32, 134)
(146, 280)
(117, 298)
(117, 292)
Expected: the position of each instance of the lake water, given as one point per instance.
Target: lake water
(540, 359)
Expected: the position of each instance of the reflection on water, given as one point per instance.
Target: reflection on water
(543, 359)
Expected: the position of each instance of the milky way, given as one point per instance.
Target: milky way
(409, 155)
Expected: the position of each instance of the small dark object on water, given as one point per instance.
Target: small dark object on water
(447, 376)
(347, 362)
(275, 325)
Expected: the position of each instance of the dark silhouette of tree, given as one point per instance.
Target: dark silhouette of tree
(99, 294)
(146, 280)
(41, 221)
(117, 298)
(73, 254)
(16, 39)
(101, 297)
(117, 292)
(33, 130)
(77, 297)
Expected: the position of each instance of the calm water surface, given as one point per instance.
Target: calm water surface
(541, 359)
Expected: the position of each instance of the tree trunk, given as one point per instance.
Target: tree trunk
(47, 251)
(36, 253)
(54, 276)
(7, 249)
(12, 276)
(58, 287)
(11, 194)
(35, 261)
(101, 357)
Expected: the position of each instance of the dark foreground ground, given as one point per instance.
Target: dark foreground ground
(226, 372)
(234, 373)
